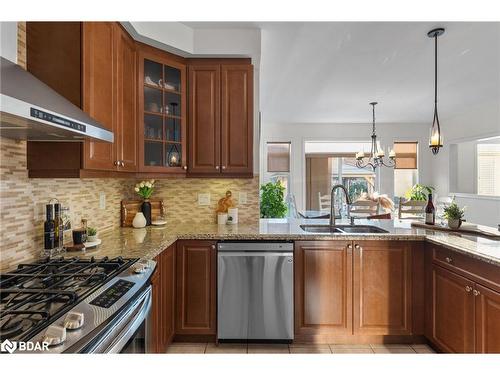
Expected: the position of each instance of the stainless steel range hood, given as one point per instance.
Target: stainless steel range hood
(31, 110)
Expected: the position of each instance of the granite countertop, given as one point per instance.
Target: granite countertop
(148, 242)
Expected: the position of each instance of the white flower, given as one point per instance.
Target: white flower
(136, 189)
(148, 184)
(141, 184)
(152, 182)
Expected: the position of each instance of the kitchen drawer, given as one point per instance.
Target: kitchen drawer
(474, 269)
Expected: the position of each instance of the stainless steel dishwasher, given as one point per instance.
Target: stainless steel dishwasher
(255, 291)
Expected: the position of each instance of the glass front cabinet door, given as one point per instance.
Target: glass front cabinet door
(162, 145)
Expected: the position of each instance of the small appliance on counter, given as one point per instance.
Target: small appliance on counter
(73, 305)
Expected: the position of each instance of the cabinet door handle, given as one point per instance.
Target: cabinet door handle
(217, 167)
(213, 247)
(223, 167)
(116, 162)
(122, 163)
(476, 292)
(448, 260)
(357, 247)
(468, 289)
(349, 246)
(185, 167)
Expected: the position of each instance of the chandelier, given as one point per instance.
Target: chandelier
(377, 154)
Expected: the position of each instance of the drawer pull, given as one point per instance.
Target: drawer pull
(448, 260)
(468, 289)
(476, 292)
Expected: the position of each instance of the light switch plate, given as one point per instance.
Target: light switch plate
(242, 197)
(102, 201)
(203, 199)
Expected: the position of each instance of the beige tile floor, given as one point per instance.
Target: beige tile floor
(211, 348)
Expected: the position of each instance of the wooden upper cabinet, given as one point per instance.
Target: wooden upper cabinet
(220, 118)
(452, 308)
(323, 288)
(196, 288)
(204, 119)
(487, 303)
(53, 55)
(99, 90)
(126, 102)
(92, 64)
(237, 119)
(382, 288)
(162, 112)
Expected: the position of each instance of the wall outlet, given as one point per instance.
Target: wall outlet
(203, 199)
(102, 201)
(242, 197)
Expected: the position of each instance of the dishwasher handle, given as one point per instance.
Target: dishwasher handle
(255, 254)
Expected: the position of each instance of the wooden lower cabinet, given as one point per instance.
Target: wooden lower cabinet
(382, 288)
(452, 311)
(163, 305)
(361, 291)
(323, 288)
(487, 304)
(462, 303)
(196, 288)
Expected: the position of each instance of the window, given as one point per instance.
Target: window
(488, 169)
(278, 157)
(405, 171)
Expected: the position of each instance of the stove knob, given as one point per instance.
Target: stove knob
(54, 335)
(140, 267)
(73, 320)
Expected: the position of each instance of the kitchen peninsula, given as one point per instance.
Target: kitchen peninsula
(394, 287)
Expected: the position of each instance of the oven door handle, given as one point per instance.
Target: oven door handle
(141, 309)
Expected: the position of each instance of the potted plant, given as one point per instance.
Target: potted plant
(145, 190)
(454, 214)
(272, 202)
(91, 234)
(418, 192)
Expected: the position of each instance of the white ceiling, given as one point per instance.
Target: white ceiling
(329, 72)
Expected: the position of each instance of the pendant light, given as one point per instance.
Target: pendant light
(377, 153)
(436, 138)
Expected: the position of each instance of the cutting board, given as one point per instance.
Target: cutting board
(465, 228)
(130, 208)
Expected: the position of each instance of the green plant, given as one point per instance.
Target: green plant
(91, 231)
(453, 212)
(272, 203)
(418, 192)
(145, 188)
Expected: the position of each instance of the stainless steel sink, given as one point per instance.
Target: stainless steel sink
(320, 228)
(342, 228)
(360, 229)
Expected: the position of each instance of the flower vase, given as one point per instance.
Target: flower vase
(146, 210)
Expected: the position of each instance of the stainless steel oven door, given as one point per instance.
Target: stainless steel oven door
(128, 332)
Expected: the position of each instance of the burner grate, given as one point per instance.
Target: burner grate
(34, 295)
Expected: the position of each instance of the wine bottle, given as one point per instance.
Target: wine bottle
(430, 212)
(49, 228)
(58, 227)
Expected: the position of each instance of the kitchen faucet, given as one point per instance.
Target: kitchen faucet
(332, 203)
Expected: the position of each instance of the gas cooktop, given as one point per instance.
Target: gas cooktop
(36, 294)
